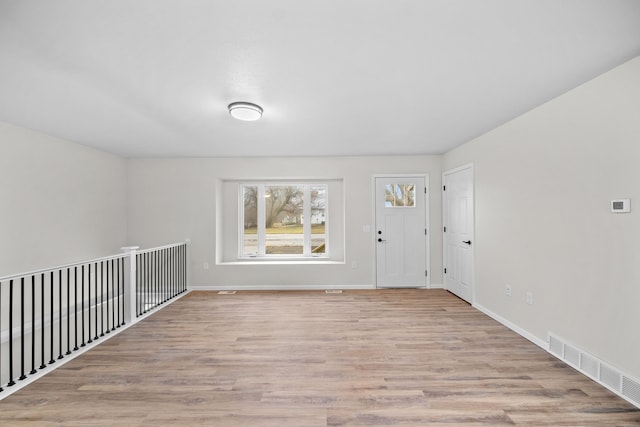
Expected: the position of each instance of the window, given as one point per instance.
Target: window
(280, 221)
(400, 195)
(283, 220)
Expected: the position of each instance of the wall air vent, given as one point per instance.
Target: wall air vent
(610, 377)
(589, 364)
(596, 369)
(631, 390)
(556, 347)
(572, 355)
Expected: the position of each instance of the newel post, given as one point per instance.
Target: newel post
(130, 294)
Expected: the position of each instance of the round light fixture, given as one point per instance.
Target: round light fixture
(245, 111)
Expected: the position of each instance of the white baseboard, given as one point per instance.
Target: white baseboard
(615, 380)
(275, 287)
(515, 328)
(288, 287)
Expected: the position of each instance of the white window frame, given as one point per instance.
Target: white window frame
(261, 229)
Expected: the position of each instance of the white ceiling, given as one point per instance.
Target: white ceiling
(153, 78)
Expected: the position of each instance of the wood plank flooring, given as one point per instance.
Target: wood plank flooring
(308, 359)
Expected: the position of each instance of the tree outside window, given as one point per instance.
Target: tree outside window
(274, 220)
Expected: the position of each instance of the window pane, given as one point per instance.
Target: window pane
(250, 218)
(318, 219)
(283, 220)
(287, 220)
(400, 195)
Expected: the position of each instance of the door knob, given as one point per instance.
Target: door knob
(468, 242)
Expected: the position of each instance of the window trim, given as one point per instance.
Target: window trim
(262, 257)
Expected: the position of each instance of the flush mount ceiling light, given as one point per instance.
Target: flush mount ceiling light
(245, 111)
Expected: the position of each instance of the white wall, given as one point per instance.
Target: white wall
(543, 186)
(59, 202)
(174, 199)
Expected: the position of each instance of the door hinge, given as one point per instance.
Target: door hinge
(445, 271)
(425, 231)
(426, 273)
(425, 190)
(444, 188)
(445, 229)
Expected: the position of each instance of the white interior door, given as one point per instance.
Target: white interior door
(400, 233)
(458, 236)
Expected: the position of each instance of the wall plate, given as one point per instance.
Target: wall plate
(621, 205)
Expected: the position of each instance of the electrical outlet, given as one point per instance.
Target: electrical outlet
(354, 264)
(530, 298)
(507, 290)
(205, 266)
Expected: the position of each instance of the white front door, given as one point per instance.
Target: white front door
(458, 236)
(400, 232)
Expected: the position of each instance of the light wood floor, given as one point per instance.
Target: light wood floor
(306, 359)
